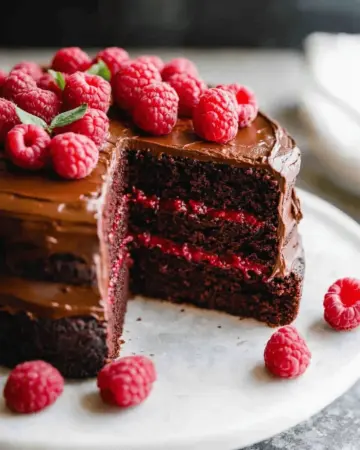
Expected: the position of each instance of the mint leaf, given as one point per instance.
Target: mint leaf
(100, 69)
(68, 117)
(29, 119)
(59, 78)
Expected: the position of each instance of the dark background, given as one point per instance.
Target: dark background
(167, 23)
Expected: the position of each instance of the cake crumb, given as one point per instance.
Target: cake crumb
(138, 319)
(182, 310)
(219, 326)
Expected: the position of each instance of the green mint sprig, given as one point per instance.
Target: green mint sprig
(58, 78)
(100, 69)
(61, 120)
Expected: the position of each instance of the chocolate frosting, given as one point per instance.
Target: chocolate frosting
(64, 212)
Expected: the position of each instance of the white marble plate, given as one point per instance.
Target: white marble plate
(212, 392)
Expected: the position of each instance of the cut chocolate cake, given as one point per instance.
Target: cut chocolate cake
(185, 220)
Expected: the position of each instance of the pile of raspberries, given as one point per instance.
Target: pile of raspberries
(153, 93)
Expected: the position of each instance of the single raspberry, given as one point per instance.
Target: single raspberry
(342, 304)
(189, 90)
(286, 353)
(30, 68)
(32, 386)
(215, 117)
(127, 381)
(247, 104)
(179, 65)
(17, 82)
(70, 60)
(27, 146)
(156, 109)
(48, 83)
(152, 59)
(113, 57)
(3, 76)
(73, 155)
(40, 103)
(130, 80)
(8, 118)
(85, 88)
(94, 124)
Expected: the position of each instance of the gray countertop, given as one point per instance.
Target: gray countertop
(278, 78)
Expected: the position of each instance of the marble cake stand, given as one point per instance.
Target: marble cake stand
(212, 392)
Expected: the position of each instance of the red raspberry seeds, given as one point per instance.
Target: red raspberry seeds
(152, 59)
(30, 68)
(342, 304)
(189, 90)
(85, 88)
(127, 381)
(178, 65)
(17, 82)
(130, 80)
(32, 386)
(113, 57)
(156, 109)
(247, 104)
(74, 156)
(70, 60)
(40, 103)
(27, 146)
(94, 124)
(286, 353)
(215, 117)
(8, 118)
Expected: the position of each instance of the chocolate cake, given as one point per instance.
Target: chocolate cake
(170, 217)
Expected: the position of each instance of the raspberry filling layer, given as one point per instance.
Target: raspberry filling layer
(192, 207)
(197, 255)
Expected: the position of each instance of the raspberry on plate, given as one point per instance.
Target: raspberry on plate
(29, 67)
(130, 80)
(70, 60)
(40, 103)
(189, 90)
(127, 381)
(32, 386)
(152, 59)
(215, 117)
(17, 82)
(74, 156)
(94, 124)
(89, 89)
(156, 109)
(179, 65)
(342, 304)
(113, 57)
(8, 118)
(286, 354)
(27, 146)
(247, 104)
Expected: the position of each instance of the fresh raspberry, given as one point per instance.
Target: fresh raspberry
(73, 155)
(342, 304)
(40, 103)
(179, 65)
(189, 90)
(17, 82)
(94, 124)
(70, 60)
(8, 118)
(215, 117)
(286, 353)
(85, 88)
(113, 57)
(152, 59)
(127, 381)
(27, 146)
(30, 68)
(156, 109)
(32, 386)
(3, 76)
(48, 83)
(130, 80)
(248, 107)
